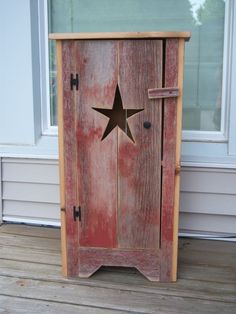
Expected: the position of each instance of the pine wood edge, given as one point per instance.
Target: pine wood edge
(178, 156)
(120, 35)
(61, 156)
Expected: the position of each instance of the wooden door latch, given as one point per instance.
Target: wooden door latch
(165, 92)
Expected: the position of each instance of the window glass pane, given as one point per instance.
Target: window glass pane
(53, 84)
(204, 51)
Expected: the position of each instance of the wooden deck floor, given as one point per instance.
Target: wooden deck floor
(31, 280)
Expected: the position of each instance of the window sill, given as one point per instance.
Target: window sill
(46, 148)
(193, 154)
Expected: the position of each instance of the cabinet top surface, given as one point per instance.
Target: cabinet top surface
(120, 35)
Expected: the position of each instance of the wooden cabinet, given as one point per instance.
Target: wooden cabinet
(119, 105)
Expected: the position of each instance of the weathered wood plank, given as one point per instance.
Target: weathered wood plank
(30, 255)
(139, 163)
(168, 162)
(131, 281)
(145, 260)
(80, 295)
(52, 245)
(164, 92)
(207, 246)
(96, 63)
(60, 109)
(201, 289)
(123, 279)
(34, 231)
(70, 227)
(135, 302)
(120, 35)
(217, 259)
(178, 157)
(204, 289)
(31, 270)
(13, 304)
(207, 273)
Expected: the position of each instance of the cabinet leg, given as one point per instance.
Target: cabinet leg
(150, 273)
(145, 261)
(87, 270)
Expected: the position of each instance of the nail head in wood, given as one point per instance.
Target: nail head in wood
(147, 124)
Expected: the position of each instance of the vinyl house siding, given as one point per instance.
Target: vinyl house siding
(207, 200)
(30, 190)
(30, 193)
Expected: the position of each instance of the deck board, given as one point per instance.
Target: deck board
(9, 304)
(30, 271)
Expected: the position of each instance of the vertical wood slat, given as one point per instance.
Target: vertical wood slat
(139, 163)
(96, 64)
(61, 157)
(69, 195)
(178, 157)
(169, 147)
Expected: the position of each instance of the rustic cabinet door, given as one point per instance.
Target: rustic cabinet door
(113, 147)
(139, 163)
(96, 65)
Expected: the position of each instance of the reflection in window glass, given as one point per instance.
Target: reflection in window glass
(204, 51)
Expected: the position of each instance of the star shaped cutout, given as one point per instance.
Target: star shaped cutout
(117, 116)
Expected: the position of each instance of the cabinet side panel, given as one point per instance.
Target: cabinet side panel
(178, 156)
(139, 162)
(69, 145)
(61, 157)
(169, 146)
(96, 64)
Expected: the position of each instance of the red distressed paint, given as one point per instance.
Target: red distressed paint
(70, 159)
(139, 164)
(127, 154)
(97, 186)
(146, 261)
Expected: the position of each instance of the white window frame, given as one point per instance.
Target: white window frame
(222, 135)
(47, 128)
(187, 135)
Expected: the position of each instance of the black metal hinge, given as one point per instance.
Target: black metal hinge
(77, 213)
(74, 81)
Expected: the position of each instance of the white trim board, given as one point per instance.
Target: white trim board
(203, 236)
(31, 161)
(232, 89)
(32, 221)
(208, 165)
(47, 129)
(1, 190)
(46, 148)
